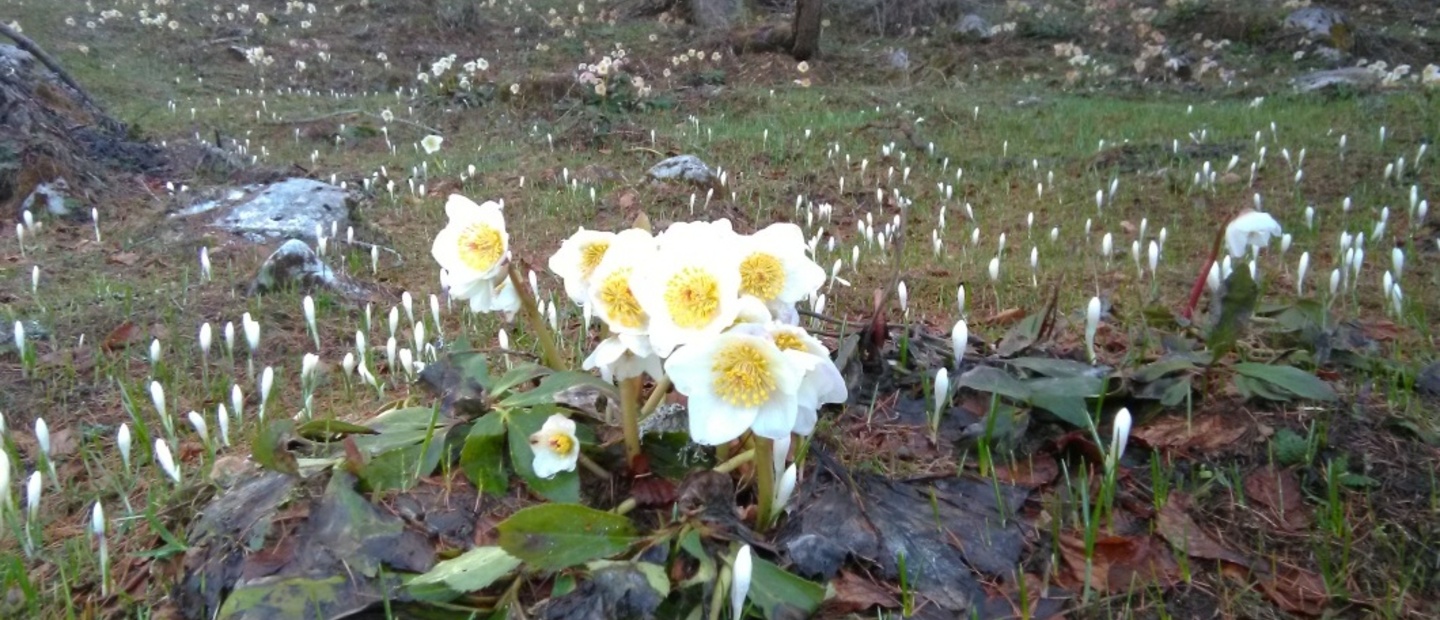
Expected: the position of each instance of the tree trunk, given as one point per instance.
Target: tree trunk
(806, 29)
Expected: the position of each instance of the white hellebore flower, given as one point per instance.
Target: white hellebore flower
(691, 290)
(1250, 229)
(472, 249)
(774, 267)
(820, 382)
(736, 381)
(577, 258)
(555, 446)
(610, 295)
(431, 143)
(624, 356)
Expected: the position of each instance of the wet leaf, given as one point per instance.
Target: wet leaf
(553, 385)
(471, 571)
(855, 594)
(1174, 524)
(398, 428)
(613, 590)
(1296, 590)
(122, 336)
(520, 425)
(1021, 336)
(556, 536)
(459, 380)
(779, 594)
(1289, 380)
(1236, 303)
(482, 457)
(1054, 367)
(322, 430)
(1120, 562)
(515, 377)
(399, 468)
(995, 381)
(1206, 433)
(1153, 371)
(1278, 492)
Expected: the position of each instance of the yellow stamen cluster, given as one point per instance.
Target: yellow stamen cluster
(560, 444)
(743, 375)
(786, 341)
(481, 247)
(762, 275)
(590, 256)
(693, 297)
(619, 301)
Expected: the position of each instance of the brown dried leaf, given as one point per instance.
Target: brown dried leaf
(1296, 590)
(1120, 562)
(1004, 317)
(122, 336)
(125, 258)
(1278, 492)
(1176, 527)
(1035, 472)
(856, 594)
(1206, 433)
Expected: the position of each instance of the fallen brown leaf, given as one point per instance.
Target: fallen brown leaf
(1120, 562)
(1174, 524)
(856, 594)
(1278, 492)
(1037, 471)
(125, 258)
(1205, 434)
(122, 336)
(1296, 590)
(1004, 317)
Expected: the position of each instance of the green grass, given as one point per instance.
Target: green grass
(777, 141)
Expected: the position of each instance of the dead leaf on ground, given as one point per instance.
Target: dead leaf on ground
(127, 259)
(1034, 472)
(1004, 317)
(1120, 563)
(1296, 590)
(1277, 491)
(1205, 434)
(1380, 331)
(1174, 524)
(856, 594)
(122, 336)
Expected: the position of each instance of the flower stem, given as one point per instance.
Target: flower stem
(736, 461)
(764, 463)
(630, 415)
(550, 353)
(658, 394)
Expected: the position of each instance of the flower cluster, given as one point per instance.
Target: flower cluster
(608, 78)
(714, 311)
(441, 77)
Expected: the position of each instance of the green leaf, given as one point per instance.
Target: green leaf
(706, 572)
(1236, 303)
(1177, 393)
(472, 571)
(269, 448)
(1153, 371)
(556, 536)
(400, 467)
(397, 428)
(521, 424)
(521, 373)
(1251, 388)
(483, 456)
(773, 591)
(322, 430)
(993, 380)
(1021, 336)
(1053, 367)
(1290, 380)
(554, 384)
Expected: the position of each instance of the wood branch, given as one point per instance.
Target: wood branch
(25, 43)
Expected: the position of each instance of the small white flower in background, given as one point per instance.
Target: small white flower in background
(994, 269)
(942, 392)
(122, 441)
(394, 321)
(166, 460)
(154, 351)
(1250, 229)
(42, 436)
(392, 350)
(32, 497)
(959, 341)
(206, 336)
(206, 274)
(1397, 258)
(237, 401)
(785, 487)
(1300, 274)
(308, 306)
(201, 428)
(431, 143)
(267, 381)
(407, 301)
(222, 421)
(578, 257)
(157, 398)
(555, 446)
(1119, 436)
(740, 579)
(251, 328)
(1092, 326)
(904, 294)
(20, 338)
(960, 300)
(1334, 282)
(736, 381)
(229, 338)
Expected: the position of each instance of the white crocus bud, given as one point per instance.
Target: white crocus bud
(206, 337)
(1092, 326)
(904, 295)
(1397, 258)
(222, 422)
(1300, 270)
(267, 381)
(785, 488)
(32, 497)
(1119, 436)
(942, 392)
(394, 320)
(154, 351)
(201, 428)
(122, 442)
(252, 332)
(308, 305)
(237, 401)
(229, 338)
(740, 581)
(994, 269)
(348, 363)
(959, 341)
(166, 460)
(409, 303)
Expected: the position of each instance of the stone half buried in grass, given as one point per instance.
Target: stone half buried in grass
(686, 168)
(290, 209)
(295, 265)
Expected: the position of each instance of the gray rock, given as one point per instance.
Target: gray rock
(293, 208)
(1355, 77)
(295, 265)
(972, 26)
(897, 59)
(1315, 21)
(687, 168)
(34, 331)
(714, 14)
(51, 197)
